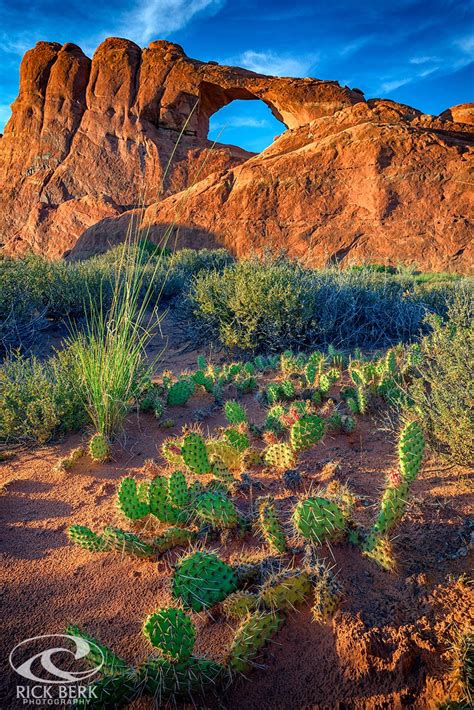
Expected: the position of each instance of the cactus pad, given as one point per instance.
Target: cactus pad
(411, 447)
(216, 509)
(178, 489)
(86, 538)
(284, 590)
(127, 543)
(180, 392)
(194, 453)
(270, 526)
(318, 519)
(202, 579)
(128, 500)
(100, 656)
(171, 632)
(99, 449)
(239, 604)
(254, 631)
(306, 432)
(280, 456)
(234, 412)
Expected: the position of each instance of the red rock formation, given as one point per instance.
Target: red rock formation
(349, 179)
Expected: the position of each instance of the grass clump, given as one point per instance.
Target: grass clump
(40, 400)
(443, 384)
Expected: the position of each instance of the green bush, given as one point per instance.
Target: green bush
(40, 400)
(443, 384)
(273, 304)
(34, 289)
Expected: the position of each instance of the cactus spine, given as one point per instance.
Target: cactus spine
(270, 526)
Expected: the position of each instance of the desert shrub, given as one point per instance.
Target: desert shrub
(39, 400)
(443, 384)
(270, 304)
(34, 290)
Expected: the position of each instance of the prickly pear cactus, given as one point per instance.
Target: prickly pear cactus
(173, 537)
(194, 453)
(254, 631)
(325, 383)
(112, 691)
(273, 421)
(169, 681)
(327, 594)
(171, 632)
(99, 449)
(221, 472)
(100, 656)
(392, 507)
(234, 412)
(127, 543)
(287, 389)
(171, 451)
(239, 604)
(229, 455)
(334, 421)
(348, 424)
(238, 439)
(270, 526)
(201, 579)
(285, 590)
(180, 392)
(318, 519)
(273, 392)
(352, 405)
(310, 372)
(411, 446)
(178, 489)
(215, 509)
(280, 456)
(379, 550)
(159, 502)
(361, 399)
(86, 538)
(128, 500)
(306, 432)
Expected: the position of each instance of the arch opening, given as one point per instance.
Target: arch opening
(248, 124)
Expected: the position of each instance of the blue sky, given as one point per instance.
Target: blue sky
(420, 53)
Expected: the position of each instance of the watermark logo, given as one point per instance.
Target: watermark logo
(56, 662)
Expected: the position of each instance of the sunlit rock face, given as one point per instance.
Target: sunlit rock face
(91, 143)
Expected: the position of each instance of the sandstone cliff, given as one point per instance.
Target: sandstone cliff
(89, 142)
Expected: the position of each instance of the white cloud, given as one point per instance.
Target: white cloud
(155, 19)
(466, 44)
(269, 62)
(423, 60)
(238, 122)
(17, 42)
(389, 86)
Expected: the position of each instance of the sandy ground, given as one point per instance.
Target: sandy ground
(387, 646)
